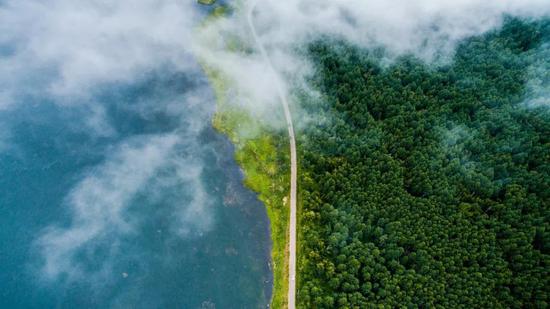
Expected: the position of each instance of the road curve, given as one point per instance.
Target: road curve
(293, 163)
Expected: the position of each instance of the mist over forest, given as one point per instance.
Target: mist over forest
(423, 146)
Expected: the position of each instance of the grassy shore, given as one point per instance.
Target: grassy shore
(206, 2)
(263, 156)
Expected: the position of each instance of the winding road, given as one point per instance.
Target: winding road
(293, 163)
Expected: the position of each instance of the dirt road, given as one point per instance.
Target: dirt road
(293, 164)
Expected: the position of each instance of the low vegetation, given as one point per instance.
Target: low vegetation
(263, 155)
(206, 2)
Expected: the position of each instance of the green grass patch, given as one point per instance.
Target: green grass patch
(206, 2)
(263, 155)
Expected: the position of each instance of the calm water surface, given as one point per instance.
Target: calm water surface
(133, 201)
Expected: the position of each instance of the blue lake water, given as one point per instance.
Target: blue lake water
(131, 200)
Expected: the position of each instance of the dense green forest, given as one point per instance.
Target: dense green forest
(427, 185)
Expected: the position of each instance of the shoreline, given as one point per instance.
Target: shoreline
(261, 154)
(265, 169)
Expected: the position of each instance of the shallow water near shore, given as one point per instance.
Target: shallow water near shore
(137, 203)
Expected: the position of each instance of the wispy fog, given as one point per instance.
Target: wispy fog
(427, 29)
(77, 55)
(68, 52)
(538, 85)
(99, 200)
(67, 48)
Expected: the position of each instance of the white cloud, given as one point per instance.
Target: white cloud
(77, 45)
(426, 28)
(196, 216)
(66, 49)
(99, 204)
(5, 100)
(97, 121)
(538, 85)
(423, 27)
(5, 138)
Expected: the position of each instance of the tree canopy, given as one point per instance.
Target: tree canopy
(426, 185)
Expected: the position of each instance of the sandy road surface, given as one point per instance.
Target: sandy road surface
(293, 164)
